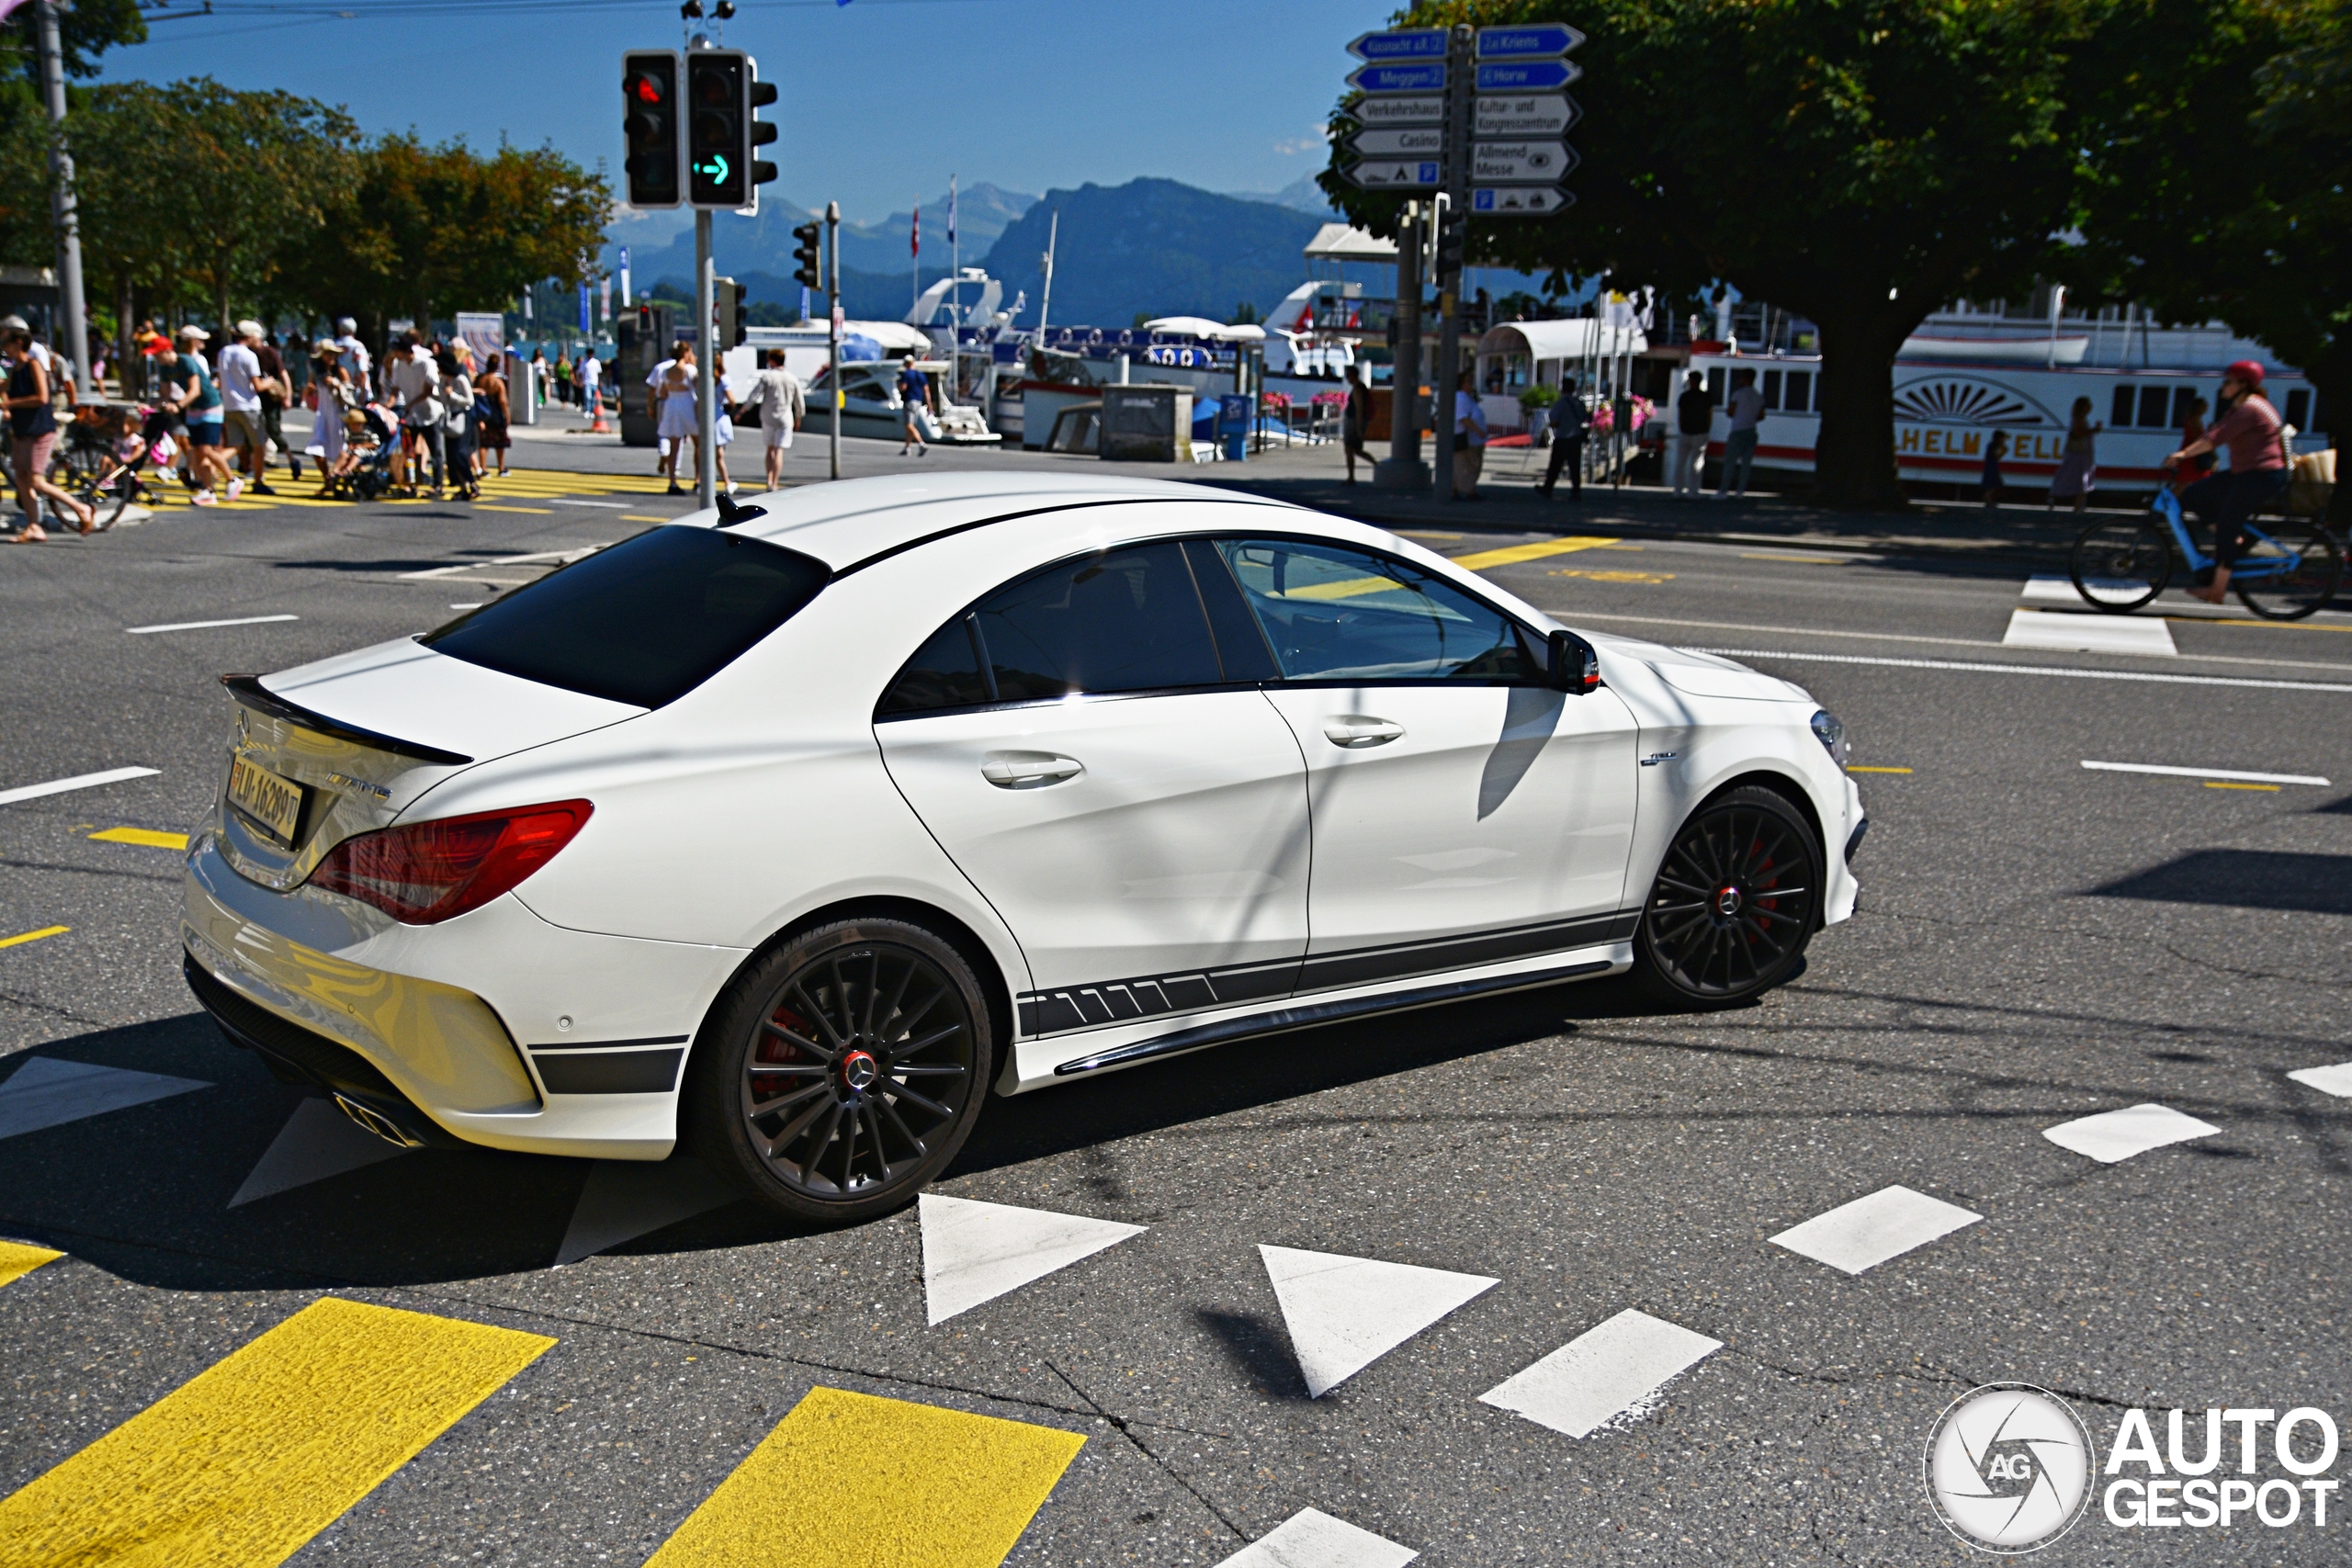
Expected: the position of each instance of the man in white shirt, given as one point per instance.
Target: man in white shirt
(783, 404)
(353, 354)
(1469, 440)
(1746, 406)
(415, 384)
(587, 377)
(242, 385)
(653, 408)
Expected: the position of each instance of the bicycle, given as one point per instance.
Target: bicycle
(2288, 570)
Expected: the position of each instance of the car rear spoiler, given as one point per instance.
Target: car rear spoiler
(249, 691)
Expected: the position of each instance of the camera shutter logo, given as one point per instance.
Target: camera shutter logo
(2010, 1467)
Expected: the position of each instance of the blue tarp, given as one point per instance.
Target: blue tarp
(857, 346)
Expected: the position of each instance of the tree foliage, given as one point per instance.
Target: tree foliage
(1860, 161)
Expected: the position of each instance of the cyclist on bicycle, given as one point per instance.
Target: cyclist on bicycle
(2250, 428)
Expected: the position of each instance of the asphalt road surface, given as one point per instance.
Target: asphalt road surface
(492, 1358)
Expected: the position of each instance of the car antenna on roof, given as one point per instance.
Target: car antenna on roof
(730, 513)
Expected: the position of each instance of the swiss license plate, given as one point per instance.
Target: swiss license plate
(273, 804)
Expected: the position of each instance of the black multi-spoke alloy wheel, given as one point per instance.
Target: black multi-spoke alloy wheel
(1735, 901)
(2121, 564)
(843, 1070)
(2314, 565)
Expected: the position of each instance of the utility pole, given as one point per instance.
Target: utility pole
(834, 302)
(75, 327)
(707, 349)
(1404, 469)
(1453, 222)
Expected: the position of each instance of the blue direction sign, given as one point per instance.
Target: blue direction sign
(1402, 78)
(1546, 40)
(1522, 78)
(1408, 43)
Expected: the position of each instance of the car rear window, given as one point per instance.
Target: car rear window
(643, 622)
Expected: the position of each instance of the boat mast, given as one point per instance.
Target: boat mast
(1052, 235)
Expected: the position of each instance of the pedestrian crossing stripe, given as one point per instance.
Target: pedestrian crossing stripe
(254, 1456)
(851, 1481)
(16, 1261)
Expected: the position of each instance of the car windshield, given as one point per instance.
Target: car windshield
(643, 622)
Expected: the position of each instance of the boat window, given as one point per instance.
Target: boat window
(1333, 613)
(643, 622)
(2154, 402)
(1771, 390)
(2183, 400)
(1125, 620)
(1799, 397)
(2121, 413)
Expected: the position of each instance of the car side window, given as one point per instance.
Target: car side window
(1125, 620)
(1334, 613)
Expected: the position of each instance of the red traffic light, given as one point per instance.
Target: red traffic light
(645, 89)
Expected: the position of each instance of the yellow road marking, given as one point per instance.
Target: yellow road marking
(1649, 577)
(850, 1480)
(2217, 784)
(249, 1459)
(1512, 555)
(16, 1261)
(1801, 561)
(147, 836)
(2256, 625)
(1425, 534)
(486, 506)
(1858, 768)
(641, 517)
(33, 936)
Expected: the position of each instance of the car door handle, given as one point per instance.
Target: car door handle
(1028, 770)
(1355, 731)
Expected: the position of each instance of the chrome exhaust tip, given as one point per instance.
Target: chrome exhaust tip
(378, 1124)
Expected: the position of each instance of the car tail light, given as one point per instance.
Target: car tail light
(424, 872)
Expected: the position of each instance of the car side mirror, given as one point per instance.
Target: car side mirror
(1574, 668)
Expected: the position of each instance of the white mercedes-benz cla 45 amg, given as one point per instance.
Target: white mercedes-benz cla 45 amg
(795, 829)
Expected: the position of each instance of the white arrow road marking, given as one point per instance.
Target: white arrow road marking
(2336, 1081)
(1312, 1539)
(317, 1141)
(2114, 1136)
(1602, 1374)
(974, 1252)
(1867, 1232)
(1344, 1314)
(46, 1092)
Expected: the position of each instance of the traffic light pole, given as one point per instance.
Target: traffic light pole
(1404, 469)
(707, 349)
(1460, 74)
(75, 326)
(833, 338)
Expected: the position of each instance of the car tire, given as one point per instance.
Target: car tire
(842, 1070)
(1736, 898)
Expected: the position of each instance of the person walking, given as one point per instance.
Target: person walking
(783, 403)
(191, 392)
(671, 405)
(490, 393)
(331, 396)
(277, 391)
(2259, 467)
(590, 377)
(722, 423)
(1989, 481)
(654, 379)
(242, 384)
(1746, 406)
(457, 421)
(1694, 416)
(351, 354)
(914, 400)
(2077, 473)
(1571, 424)
(1469, 439)
(1355, 418)
(563, 379)
(415, 381)
(32, 425)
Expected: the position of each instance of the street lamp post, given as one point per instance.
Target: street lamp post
(62, 204)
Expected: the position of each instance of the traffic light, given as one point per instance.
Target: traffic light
(1452, 233)
(649, 128)
(717, 146)
(758, 96)
(732, 329)
(807, 272)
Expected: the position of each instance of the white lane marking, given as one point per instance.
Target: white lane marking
(1867, 1232)
(79, 780)
(2088, 634)
(974, 1252)
(1602, 1374)
(200, 625)
(1972, 667)
(1344, 1314)
(604, 505)
(2061, 589)
(2113, 1136)
(2205, 774)
(626, 1198)
(565, 556)
(317, 1141)
(474, 607)
(46, 1092)
(2336, 1081)
(1312, 1539)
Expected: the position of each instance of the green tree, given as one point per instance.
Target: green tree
(1862, 162)
(85, 30)
(2228, 192)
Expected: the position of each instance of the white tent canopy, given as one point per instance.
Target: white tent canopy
(1337, 241)
(1577, 338)
(1200, 326)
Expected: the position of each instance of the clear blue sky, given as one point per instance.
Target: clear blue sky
(881, 99)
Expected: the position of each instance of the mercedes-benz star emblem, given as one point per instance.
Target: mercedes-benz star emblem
(859, 1071)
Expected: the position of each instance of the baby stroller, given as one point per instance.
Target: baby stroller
(364, 470)
(105, 447)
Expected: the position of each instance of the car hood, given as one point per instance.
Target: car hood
(1700, 674)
